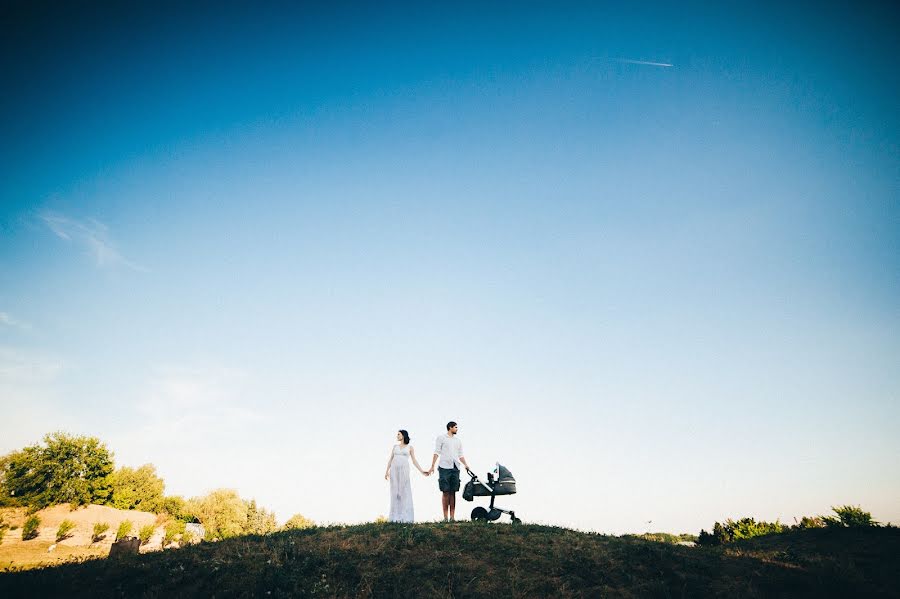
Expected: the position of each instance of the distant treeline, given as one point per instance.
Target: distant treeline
(79, 470)
(846, 516)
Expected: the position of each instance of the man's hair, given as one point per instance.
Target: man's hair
(450, 425)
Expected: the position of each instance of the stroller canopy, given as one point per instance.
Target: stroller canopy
(504, 475)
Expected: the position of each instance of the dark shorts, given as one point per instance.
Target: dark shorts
(448, 479)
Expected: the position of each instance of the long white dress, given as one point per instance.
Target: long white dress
(401, 489)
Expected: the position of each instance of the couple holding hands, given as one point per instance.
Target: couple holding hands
(447, 449)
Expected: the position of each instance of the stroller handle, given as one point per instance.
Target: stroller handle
(470, 473)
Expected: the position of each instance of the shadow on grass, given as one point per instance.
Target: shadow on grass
(484, 560)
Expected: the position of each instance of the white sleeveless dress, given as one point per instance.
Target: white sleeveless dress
(401, 489)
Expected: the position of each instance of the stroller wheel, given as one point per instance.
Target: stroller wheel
(494, 514)
(480, 514)
(516, 520)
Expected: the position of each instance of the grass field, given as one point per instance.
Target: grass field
(22, 556)
(485, 560)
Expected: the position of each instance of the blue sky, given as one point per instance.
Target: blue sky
(247, 245)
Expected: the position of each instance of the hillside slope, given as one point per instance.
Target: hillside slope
(478, 560)
(16, 553)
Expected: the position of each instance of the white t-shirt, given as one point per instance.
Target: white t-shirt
(450, 450)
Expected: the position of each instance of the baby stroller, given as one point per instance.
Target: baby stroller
(503, 484)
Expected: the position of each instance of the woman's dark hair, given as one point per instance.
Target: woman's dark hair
(405, 436)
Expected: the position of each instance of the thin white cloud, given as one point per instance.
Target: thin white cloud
(21, 366)
(200, 411)
(32, 401)
(9, 321)
(644, 62)
(91, 235)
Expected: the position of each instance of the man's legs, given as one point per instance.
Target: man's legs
(448, 479)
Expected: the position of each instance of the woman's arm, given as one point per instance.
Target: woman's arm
(412, 454)
(387, 471)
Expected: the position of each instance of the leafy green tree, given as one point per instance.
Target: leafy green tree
(137, 489)
(298, 521)
(222, 512)
(62, 469)
(747, 528)
(849, 516)
(174, 505)
(259, 520)
(731, 531)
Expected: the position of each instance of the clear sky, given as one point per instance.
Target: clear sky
(647, 257)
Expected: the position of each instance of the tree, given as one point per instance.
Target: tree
(64, 469)
(137, 489)
(174, 505)
(223, 513)
(849, 516)
(259, 520)
(298, 521)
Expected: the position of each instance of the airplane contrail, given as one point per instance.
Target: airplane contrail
(647, 62)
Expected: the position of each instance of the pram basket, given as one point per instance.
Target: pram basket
(503, 484)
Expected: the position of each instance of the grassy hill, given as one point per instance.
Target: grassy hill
(485, 560)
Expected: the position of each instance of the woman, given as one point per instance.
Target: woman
(398, 473)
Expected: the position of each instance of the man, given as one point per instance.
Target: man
(448, 449)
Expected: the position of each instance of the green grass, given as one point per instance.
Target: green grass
(485, 560)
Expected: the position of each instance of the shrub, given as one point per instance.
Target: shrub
(807, 522)
(124, 529)
(100, 529)
(187, 537)
(747, 528)
(849, 516)
(222, 512)
(30, 528)
(65, 530)
(2, 532)
(145, 533)
(731, 531)
(171, 532)
(297, 522)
